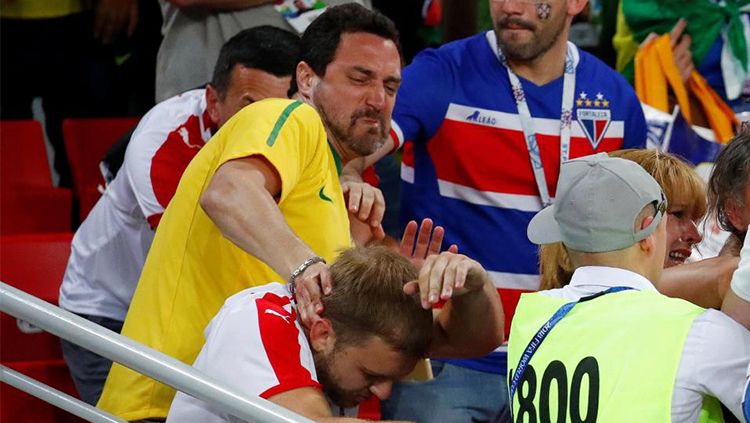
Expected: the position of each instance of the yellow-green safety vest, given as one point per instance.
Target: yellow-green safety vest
(612, 359)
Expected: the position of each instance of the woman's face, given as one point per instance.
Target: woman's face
(682, 234)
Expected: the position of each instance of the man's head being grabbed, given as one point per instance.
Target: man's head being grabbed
(371, 333)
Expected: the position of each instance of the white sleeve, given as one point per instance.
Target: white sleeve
(741, 278)
(254, 346)
(714, 363)
(150, 134)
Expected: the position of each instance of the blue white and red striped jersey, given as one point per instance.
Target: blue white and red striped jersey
(465, 160)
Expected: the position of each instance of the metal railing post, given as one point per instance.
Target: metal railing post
(140, 358)
(55, 397)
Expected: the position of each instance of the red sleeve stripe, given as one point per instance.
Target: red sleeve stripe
(280, 338)
(290, 385)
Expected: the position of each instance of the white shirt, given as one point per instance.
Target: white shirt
(741, 277)
(256, 345)
(110, 247)
(715, 355)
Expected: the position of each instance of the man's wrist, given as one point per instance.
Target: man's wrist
(302, 267)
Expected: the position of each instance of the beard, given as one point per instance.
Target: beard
(541, 41)
(331, 384)
(345, 130)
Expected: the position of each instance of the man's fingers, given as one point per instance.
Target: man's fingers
(650, 37)
(365, 204)
(355, 197)
(449, 280)
(462, 272)
(436, 278)
(423, 238)
(378, 209)
(407, 240)
(453, 249)
(676, 32)
(378, 232)
(436, 241)
(424, 282)
(325, 281)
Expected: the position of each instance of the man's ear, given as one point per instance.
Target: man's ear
(322, 336)
(305, 80)
(647, 244)
(576, 6)
(212, 99)
(735, 213)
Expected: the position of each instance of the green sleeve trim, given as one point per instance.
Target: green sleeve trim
(280, 122)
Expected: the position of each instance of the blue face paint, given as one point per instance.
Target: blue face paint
(543, 10)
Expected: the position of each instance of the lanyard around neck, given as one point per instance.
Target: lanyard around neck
(527, 122)
(542, 333)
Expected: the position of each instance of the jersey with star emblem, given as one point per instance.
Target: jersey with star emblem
(465, 161)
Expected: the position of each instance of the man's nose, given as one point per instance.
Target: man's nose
(382, 390)
(376, 97)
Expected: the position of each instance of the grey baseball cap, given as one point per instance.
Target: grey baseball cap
(598, 200)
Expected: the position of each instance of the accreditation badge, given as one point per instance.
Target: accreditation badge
(300, 13)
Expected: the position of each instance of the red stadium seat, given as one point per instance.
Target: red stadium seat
(18, 406)
(28, 200)
(34, 263)
(23, 158)
(86, 142)
(35, 210)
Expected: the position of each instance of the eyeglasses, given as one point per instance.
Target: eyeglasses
(661, 206)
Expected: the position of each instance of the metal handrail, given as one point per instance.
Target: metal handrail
(55, 397)
(140, 358)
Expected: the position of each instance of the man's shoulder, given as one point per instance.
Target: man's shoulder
(170, 114)
(276, 112)
(456, 54)
(592, 70)
(175, 109)
(273, 294)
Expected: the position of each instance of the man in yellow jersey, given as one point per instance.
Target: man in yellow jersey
(613, 347)
(262, 201)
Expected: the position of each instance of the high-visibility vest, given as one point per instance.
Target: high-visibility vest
(611, 359)
(656, 72)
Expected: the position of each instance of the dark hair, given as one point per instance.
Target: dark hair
(368, 300)
(322, 37)
(265, 48)
(729, 180)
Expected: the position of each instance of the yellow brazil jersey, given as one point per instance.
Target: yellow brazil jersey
(41, 9)
(192, 268)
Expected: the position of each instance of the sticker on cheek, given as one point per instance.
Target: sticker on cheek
(543, 10)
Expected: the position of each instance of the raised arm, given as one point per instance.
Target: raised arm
(703, 283)
(471, 322)
(240, 201)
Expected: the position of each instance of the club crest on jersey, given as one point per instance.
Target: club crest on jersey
(594, 117)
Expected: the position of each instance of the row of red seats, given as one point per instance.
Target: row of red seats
(35, 234)
(34, 263)
(30, 203)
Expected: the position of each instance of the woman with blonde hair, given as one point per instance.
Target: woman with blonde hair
(686, 197)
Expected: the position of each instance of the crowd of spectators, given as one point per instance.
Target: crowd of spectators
(245, 233)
